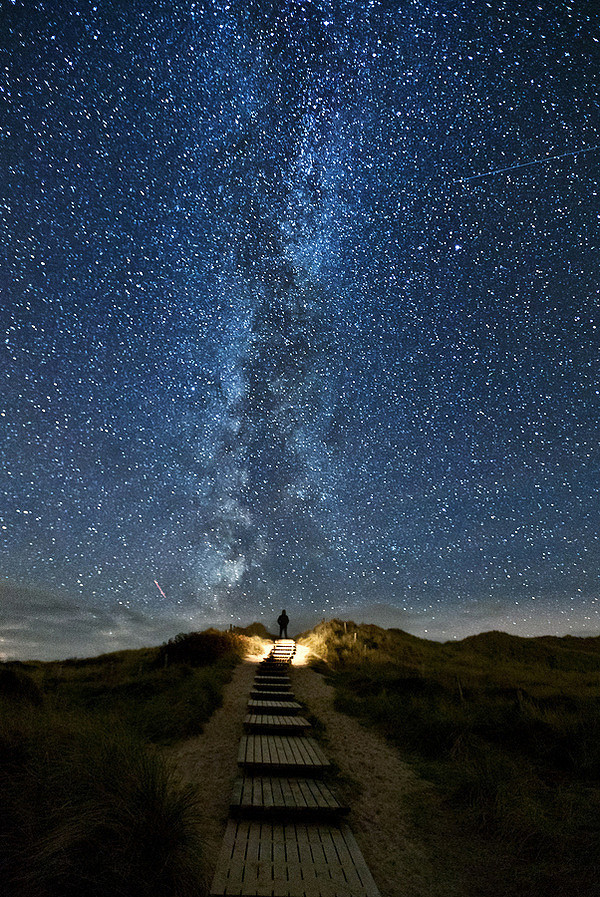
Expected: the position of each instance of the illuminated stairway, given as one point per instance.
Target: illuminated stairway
(286, 836)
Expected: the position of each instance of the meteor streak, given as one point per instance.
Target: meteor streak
(487, 174)
(159, 589)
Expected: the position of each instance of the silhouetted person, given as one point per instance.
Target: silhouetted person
(283, 621)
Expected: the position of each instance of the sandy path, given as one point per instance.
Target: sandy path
(210, 760)
(384, 793)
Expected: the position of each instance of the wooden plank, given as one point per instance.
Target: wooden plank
(280, 722)
(285, 749)
(297, 752)
(292, 855)
(277, 847)
(281, 685)
(281, 752)
(237, 798)
(252, 868)
(221, 876)
(279, 707)
(349, 852)
(277, 792)
(276, 680)
(260, 797)
(238, 857)
(301, 752)
(292, 860)
(316, 755)
(297, 795)
(280, 679)
(305, 797)
(267, 795)
(287, 797)
(324, 797)
(265, 694)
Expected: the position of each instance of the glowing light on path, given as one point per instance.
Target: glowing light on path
(159, 589)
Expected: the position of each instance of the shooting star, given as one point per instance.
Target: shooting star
(487, 174)
(159, 589)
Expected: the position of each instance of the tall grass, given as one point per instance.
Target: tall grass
(163, 694)
(88, 802)
(508, 729)
(86, 810)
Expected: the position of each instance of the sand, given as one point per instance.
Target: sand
(209, 760)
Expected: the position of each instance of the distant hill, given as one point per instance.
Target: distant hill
(565, 653)
(513, 658)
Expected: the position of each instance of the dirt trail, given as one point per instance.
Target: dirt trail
(383, 792)
(210, 760)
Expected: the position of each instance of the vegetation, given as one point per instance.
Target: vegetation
(508, 728)
(89, 804)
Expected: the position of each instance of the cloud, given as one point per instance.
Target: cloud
(43, 625)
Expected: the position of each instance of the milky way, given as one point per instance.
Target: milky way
(300, 308)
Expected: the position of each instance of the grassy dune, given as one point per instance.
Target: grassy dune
(89, 805)
(509, 730)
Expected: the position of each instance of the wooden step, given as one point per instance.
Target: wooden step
(272, 680)
(264, 694)
(263, 706)
(281, 753)
(295, 797)
(298, 859)
(276, 722)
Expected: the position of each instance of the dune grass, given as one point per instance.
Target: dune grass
(89, 804)
(90, 810)
(507, 728)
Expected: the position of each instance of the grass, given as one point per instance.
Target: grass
(89, 804)
(507, 728)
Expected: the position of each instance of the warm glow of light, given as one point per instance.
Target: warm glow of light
(302, 656)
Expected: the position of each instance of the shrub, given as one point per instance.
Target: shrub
(17, 685)
(200, 648)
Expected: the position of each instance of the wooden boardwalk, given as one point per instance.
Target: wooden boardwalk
(275, 795)
(264, 693)
(277, 722)
(263, 706)
(292, 859)
(286, 836)
(281, 753)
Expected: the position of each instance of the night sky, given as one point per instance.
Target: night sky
(299, 308)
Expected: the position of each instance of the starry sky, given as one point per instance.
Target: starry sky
(299, 307)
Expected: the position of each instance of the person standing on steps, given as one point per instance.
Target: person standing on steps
(283, 621)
